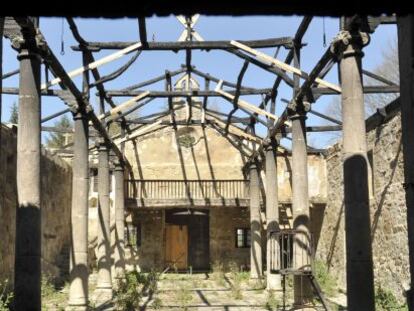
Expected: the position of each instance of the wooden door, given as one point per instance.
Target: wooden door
(176, 246)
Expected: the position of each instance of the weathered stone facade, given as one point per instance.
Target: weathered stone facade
(197, 153)
(387, 201)
(56, 185)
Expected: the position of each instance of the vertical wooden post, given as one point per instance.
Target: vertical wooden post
(256, 270)
(27, 273)
(406, 61)
(104, 283)
(300, 207)
(78, 291)
(272, 212)
(119, 251)
(359, 266)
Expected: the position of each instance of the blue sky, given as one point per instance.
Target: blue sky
(218, 63)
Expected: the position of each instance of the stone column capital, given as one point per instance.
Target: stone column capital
(252, 165)
(270, 144)
(27, 43)
(298, 109)
(118, 166)
(101, 145)
(345, 38)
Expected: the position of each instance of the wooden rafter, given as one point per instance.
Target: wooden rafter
(194, 45)
(284, 66)
(115, 111)
(95, 64)
(66, 82)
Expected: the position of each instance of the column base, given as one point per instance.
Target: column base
(256, 277)
(304, 308)
(274, 282)
(77, 308)
(103, 294)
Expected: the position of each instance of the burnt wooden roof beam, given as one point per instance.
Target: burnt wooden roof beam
(184, 45)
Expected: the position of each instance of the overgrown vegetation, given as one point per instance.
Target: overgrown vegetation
(58, 140)
(237, 278)
(386, 301)
(157, 303)
(6, 296)
(52, 298)
(218, 272)
(327, 283)
(272, 302)
(184, 296)
(133, 287)
(14, 113)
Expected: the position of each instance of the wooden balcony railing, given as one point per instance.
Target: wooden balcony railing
(189, 189)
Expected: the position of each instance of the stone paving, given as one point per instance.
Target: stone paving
(208, 292)
(202, 291)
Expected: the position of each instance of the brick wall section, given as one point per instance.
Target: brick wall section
(388, 210)
(56, 183)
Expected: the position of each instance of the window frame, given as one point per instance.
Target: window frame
(245, 234)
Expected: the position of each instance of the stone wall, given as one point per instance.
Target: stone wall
(150, 255)
(387, 200)
(206, 154)
(56, 183)
(193, 152)
(223, 222)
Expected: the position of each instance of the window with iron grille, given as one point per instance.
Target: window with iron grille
(242, 237)
(133, 235)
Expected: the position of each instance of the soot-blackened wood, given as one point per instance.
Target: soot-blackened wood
(143, 31)
(55, 115)
(192, 122)
(237, 93)
(9, 74)
(183, 45)
(280, 73)
(377, 77)
(323, 116)
(209, 77)
(153, 80)
(192, 93)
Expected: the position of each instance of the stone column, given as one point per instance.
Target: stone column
(104, 282)
(27, 274)
(78, 291)
(406, 60)
(272, 213)
(256, 270)
(300, 206)
(119, 251)
(359, 267)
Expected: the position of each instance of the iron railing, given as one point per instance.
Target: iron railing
(291, 252)
(187, 189)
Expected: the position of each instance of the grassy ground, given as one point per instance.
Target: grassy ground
(204, 291)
